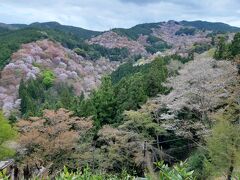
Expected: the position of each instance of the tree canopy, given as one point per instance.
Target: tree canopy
(7, 133)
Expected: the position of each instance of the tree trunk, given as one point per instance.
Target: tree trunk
(230, 171)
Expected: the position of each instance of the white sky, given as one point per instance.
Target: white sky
(106, 14)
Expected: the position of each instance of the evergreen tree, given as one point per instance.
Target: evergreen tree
(102, 104)
(221, 48)
(155, 76)
(130, 92)
(235, 46)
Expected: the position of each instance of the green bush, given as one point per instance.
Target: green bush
(7, 133)
(87, 174)
(177, 172)
(48, 78)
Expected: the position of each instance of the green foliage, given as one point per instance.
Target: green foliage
(134, 32)
(222, 51)
(154, 76)
(101, 104)
(3, 30)
(104, 103)
(235, 46)
(196, 163)
(216, 27)
(7, 133)
(228, 51)
(177, 172)
(201, 47)
(48, 78)
(224, 148)
(129, 92)
(37, 95)
(11, 41)
(114, 54)
(3, 175)
(80, 52)
(87, 174)
(186, 31)
(128, 69)
(156, 44)
(141, 123)
(76, 31)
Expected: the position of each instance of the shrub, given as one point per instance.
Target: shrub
(179, 171)
(48, 78)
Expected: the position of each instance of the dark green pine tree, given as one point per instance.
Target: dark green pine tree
(23, 96)
(235, 46)
(104, 102)
(221, 48)
(155, 76)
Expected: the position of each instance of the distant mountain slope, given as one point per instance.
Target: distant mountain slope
(79, 32)
(11, 40)
(3, 30)
(76, 31)
(116, 44)
(146, 28)
(134, 32)
(211, 26)
(175, 37)
(12, 26)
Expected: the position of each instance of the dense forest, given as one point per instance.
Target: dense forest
(10, 42)
(157, 120)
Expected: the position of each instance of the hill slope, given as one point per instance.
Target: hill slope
(211, 26)
(33, 59)
(79, 32)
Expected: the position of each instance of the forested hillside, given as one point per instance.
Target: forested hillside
(157, 101)
(11, 40)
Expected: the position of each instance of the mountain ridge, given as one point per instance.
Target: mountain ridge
(195, 23)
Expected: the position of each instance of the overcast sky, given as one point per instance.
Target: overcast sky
(106, 14)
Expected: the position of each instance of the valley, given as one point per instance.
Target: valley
(158, 101)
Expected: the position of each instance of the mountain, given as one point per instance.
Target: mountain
(117, 44)
(146, 39)
(76, 31)
(11, 40)
(146, 28)
(134, 32)
(13, 26)
(211, 26)
(121, 99)
(79, 32)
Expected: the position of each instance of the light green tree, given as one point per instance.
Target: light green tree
(48, 78)
(224, 144)
(6, 133)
